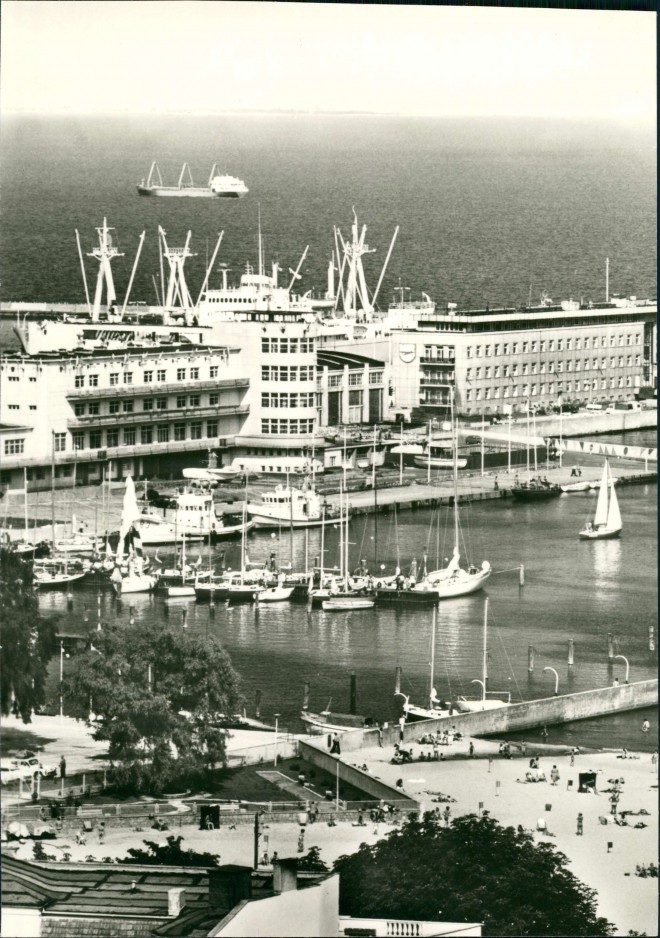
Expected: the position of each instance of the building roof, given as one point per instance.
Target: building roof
(336, 361)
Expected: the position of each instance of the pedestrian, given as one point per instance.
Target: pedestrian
(646, 726)
(554, 775)
(301, 840)
(580, 821)
(573, 756)
(62, 767)
(471, 749)
(497, 487)
(335, 747)
(544, 732)
(654, 758)
(380, 735)
(447, 816)
(101, 835)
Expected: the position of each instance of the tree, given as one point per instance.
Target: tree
(28, 640)
(312, 862)
(158, 695)
(475, 870)
(169, 854)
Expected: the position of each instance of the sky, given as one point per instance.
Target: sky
(159, 56)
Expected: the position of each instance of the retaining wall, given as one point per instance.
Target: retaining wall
(315, 754)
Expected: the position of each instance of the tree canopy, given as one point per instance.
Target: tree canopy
(157, 694)
(28, 640)
(473, 871)
(170, 854)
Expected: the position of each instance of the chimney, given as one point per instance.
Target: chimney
(176, 899)
(229, 885)
(285, 875)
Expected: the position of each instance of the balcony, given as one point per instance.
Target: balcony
(158, 416)
(436, 380)
(149, 390)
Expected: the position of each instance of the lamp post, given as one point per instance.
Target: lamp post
(623, 658)
(556, 679)
(277, 717)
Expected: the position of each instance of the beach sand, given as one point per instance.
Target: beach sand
(473, 784)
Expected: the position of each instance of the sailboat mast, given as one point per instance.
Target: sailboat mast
(428, 468)
(454, 440)
(431, 695)
(484, 670)
(375, 504)
(25, 505)
(288, 481)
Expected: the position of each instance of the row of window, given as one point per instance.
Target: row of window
(287, 427)
(287, 346)
(550, 345)
(287, 400)
(15, 447)
(93, 408)
(497, 371)
(130, 436)
(287, 373)
(440, 352)
(532, 390)
(159, 374)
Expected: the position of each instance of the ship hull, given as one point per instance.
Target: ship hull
(185, 193)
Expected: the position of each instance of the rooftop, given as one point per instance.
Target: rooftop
(338, 360)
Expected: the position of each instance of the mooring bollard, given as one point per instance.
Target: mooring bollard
(571, 652)
(522, 574)
(610, 647)
(530, 658)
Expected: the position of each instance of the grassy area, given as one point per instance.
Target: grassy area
(15, 739)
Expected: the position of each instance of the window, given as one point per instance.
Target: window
(146, 435)
(214, 398)
(514, 348)
(179, 431)
(113, 407)
(79, 381)
(569, 344)
(468, 352)
(129, 436)
(16, 447)
(128, 377)
(211, 427)
(477, 373)
(114, 378)
(194, 374)
(525, 369)
(127, 407)
(195, 400)
(78, 440)
(93, 381)
(163, 433)
(95, 439)
(213, 371)
(148, 377)
(525, 347)
(161, 375)
(496, 350)
(112, 437)
(148, 403)
(161, 403)
(468, 374)
(497, 371)
(79, 409)
(59, 441)
(181, 400)
(181, 374)
(195, 431)
(560, 344)
(533, 346)
(505, 348)
(551, 345)
(94, 408)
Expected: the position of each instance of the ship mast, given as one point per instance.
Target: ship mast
(177, 288)
(104, 253)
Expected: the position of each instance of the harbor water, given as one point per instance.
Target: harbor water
(573, 590)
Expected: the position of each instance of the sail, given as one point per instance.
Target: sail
(128, 534)
(613, 515)
(601, 507)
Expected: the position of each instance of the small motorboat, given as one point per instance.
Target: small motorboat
(576, 487)
(275, 594)
(181, 590)
(347, 603)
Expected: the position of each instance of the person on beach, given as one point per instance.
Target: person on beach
(380, 735)
(654, 758)
(573, 756)
(471, 750)
(580, 822)
(554, 775)
(62, 767)
(447, 815)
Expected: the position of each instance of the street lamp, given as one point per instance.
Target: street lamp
(623, 658)
(277, 716)
(556, 679)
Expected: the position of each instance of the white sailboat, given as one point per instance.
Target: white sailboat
(607, 520)
(346, 600)
(454, 580)
(488, 700)
(434, 709)
(130, 546)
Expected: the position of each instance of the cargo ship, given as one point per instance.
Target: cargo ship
(219, 186)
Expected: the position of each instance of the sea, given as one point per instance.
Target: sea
(486, 212)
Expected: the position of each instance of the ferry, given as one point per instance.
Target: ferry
(219, 186)
(194, 516)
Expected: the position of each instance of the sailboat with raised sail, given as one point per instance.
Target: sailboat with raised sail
(454, 580)
(346, 599)
(607, 522)
(129, 549)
